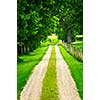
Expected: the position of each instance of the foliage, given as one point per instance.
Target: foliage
(71, 17)
(79, 37)
(53, 39)
(36, 19)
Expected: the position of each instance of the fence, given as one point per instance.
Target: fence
(74, 51)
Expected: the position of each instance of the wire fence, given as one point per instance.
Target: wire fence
(74, 51)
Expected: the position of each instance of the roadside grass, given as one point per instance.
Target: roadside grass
(26, 65)
(76, 69)
(78, 45)
(49, 89)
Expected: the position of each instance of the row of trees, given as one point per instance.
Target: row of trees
(36, 19)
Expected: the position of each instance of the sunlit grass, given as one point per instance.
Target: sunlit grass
(49, 90)
(78, 45)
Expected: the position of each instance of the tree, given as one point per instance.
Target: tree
(36, 19)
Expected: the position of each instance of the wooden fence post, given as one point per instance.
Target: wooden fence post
(74, 51)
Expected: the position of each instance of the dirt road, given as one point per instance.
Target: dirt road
(66, 85)
(33, 88)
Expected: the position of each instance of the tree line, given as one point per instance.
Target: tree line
(36, 19)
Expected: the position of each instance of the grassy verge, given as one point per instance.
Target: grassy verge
(76, 69)
(26, 65)
(49, 90)
(78, 45)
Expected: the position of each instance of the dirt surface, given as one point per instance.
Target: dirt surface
(33, 88)
(66, 85)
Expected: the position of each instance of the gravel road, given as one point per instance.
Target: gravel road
(66, 85)
(33, 88)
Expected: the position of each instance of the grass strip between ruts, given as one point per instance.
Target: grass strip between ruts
(76, 69)
(49, 89)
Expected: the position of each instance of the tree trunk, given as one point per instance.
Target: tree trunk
(22, 50)
(18, 49)
(69, 36)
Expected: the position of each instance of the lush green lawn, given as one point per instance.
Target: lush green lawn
(26, 65)
(78, 45)
(76, 69)
(49, 90)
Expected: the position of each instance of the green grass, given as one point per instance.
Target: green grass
(76, 69)
(49, 90)
(78, 45)
(79, 36)
(26, 65)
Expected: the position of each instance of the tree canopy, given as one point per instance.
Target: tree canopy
(36, 19)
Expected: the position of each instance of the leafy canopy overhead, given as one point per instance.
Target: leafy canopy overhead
(36, 19)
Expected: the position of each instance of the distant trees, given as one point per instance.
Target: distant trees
(71, 19)
(36, 19)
